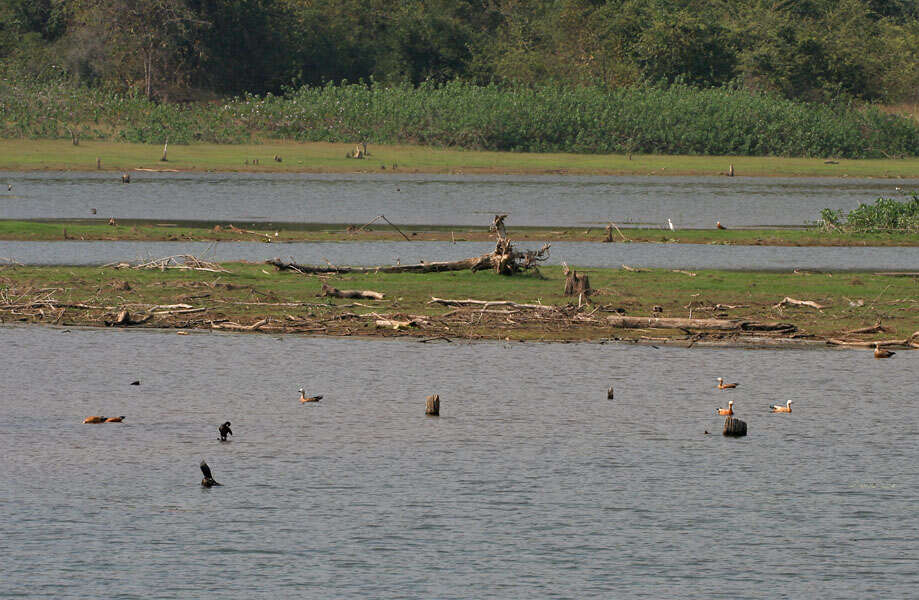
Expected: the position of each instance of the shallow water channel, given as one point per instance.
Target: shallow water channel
(547, 200)
(589, 254)
(530, 485)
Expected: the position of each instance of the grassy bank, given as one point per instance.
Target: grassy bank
(248, 294)
(146, 230)
(319, 157)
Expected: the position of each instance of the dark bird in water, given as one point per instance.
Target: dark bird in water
(609, 393)
(114, 419)
(208, 480)
(135, 382)
(224, 431)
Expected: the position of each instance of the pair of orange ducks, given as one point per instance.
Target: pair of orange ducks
(103, 420)
(729, 411)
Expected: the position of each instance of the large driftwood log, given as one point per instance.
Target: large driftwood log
(336, 293)
(488, 303)
(910, 342)
(793, 302)
(622, 322)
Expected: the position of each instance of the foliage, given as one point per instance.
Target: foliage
(674, 119)
(818, 50)
(886, 214)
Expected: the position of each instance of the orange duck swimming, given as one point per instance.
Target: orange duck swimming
(725, 386)
(305, 398)
(94, 420)
(878, 353)
(114, 420)
(780, 408)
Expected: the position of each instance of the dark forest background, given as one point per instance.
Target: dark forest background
(177, 50)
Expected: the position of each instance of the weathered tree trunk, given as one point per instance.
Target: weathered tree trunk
(577, 284)
(734, 427)
(432, 405)
(336, 293)
(696, 324)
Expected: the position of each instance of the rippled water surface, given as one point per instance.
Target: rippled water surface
(591, 254)
(440, 199)
(530, 485)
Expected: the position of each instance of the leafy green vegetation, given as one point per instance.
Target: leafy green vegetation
(674, 119)
(886, 215)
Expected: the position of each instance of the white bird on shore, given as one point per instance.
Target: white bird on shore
(670, 223)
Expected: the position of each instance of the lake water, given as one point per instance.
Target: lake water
(530, 485)
(547, 200)
(590, 254)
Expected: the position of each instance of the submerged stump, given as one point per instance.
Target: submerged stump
(432, 405)
(734, 427)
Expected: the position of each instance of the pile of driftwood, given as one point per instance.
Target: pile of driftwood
(184, 262)
(504, 260)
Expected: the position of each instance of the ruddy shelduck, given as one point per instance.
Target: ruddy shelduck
(114, 419)
(94, 420)
(780, 408)
(719, 225)
(878, 353)
(305, 398)
(725, 386)
(726, 412)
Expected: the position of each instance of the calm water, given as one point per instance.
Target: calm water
(439, 199)
(531, 484)
(668, 256)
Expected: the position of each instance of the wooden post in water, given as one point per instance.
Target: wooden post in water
(734, 427)
(432, 405)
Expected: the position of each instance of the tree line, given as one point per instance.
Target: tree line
(814, 50)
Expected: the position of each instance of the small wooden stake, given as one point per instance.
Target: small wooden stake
(432, 405)
(164, 159)
(98, 163)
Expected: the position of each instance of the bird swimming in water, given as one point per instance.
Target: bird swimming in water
(135, 382)
(780, 408)
(725, 386)
(9, 187)
(670, 224)
(94, 420)
(305, 398)
(208, 480)
(878, 353)
(609, 393)
(224, 431)
(726, 412)
(114, 419)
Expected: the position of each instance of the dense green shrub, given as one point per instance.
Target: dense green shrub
(886, 214)
(675, 119)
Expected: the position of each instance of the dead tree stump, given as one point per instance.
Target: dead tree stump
(577, 284)
(432, 405)
(734, 427)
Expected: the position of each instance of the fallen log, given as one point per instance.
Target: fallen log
(909, 342)
(124, 319)
(328, 290)
(473, 264)
(623, 322)
(876, 328)
(791, 301)
(488, 303)
(237, 327)
(394, 324)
